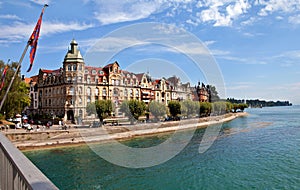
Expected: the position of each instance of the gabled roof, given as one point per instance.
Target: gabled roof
(139, 76)
(32, 79)
(111, 64)
(27, 80)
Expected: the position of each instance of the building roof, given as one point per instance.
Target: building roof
(73, 54)
(56, 71)
(111, 64)
(97, 69)
(32, 79)
(139, 76)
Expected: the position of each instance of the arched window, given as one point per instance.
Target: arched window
(88, 91)
(104, 92)
(79, 78)
(80, 90)
(116, 92)
(125, 93)
(131, 92)
(69, 67)
(71, 91)
(137, 93)
(74, 67)
(80, 67)
(96, 92)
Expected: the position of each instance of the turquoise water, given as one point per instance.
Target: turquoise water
(260, 151)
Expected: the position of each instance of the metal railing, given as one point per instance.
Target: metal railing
(17, 172)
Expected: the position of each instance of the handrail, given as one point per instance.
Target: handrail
(17, 172)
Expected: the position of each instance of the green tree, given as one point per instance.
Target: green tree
(242, 106)
(18, 96)
(235, 107)
(229, 107)
(91, 108)
(219, 108)
(174, 108)
(190, 108)
(157, 109)
(133, 109)
(103, 108)
(214, 97)
(205, 109)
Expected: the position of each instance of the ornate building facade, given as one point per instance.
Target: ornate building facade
(65, 92)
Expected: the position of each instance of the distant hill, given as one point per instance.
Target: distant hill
(260, 103)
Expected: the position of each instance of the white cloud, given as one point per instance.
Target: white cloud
(294, 19)
(190, 21)
(41, 2)
(222, 13)
(271, 6)
(208, 43)
(215, 16)
(115, 11)
(58, 27)
(19, 31)
(9, 16)
(111, 44)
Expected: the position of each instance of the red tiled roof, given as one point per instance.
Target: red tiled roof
(35, 78)
(51, 71)
(139, 76)
(27, 80)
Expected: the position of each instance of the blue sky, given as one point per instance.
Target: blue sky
(254, 43)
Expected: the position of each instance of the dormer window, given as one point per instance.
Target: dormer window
(86, 71)
(101, 72)
(94, 72)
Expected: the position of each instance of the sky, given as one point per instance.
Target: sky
(252, 47)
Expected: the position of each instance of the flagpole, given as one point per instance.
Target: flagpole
(17, 70)
(14, 76)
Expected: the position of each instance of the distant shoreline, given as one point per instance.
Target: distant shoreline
(27, 141)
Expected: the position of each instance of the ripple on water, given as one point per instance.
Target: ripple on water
(260, 151)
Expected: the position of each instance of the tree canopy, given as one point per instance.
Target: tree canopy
(18, 96)
(157, 109)
(102, 108)
(133, 109)
(174, 108)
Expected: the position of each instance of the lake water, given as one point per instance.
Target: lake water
(260, 151)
